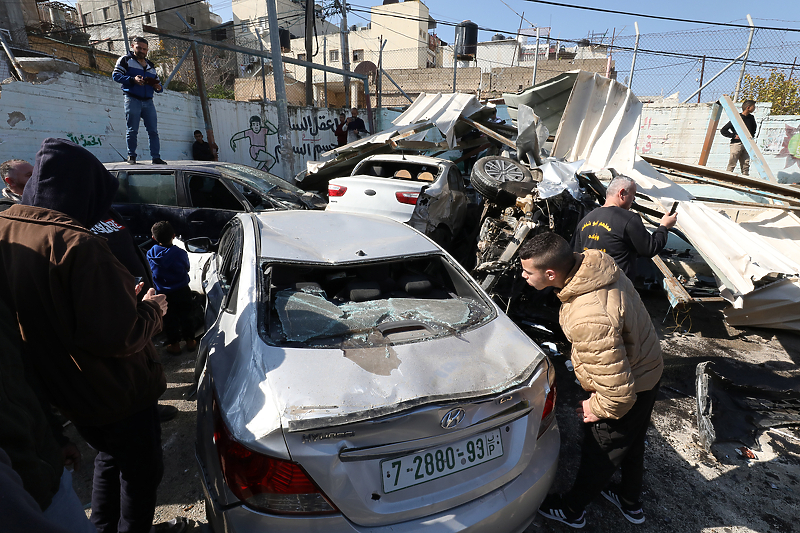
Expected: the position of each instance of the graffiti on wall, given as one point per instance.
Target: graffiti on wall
(85, 140)
(790, 148)
(256, 135)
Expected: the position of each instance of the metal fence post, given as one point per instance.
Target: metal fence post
(280, 94)
(536, 58)
(633, 61)
(744, 61)
(263, 68)
(124, 28)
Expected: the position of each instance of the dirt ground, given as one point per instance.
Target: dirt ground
(686, 489)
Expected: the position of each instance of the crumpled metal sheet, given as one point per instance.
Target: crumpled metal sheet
(600, 125)
(443, 110)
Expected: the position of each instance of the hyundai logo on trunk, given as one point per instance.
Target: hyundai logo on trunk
(453, 418)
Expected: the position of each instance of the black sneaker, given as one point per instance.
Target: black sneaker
(634, 516)
(159, 161)
(131, 159)
(553, 509)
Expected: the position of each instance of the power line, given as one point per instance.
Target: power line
(657, 17)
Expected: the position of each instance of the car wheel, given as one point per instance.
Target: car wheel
(491, 172)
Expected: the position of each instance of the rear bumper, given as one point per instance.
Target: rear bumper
(509, 509)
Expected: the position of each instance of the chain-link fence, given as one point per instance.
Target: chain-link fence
(666, 63)
(680, 62)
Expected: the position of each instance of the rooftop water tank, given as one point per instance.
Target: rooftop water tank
(467, 40)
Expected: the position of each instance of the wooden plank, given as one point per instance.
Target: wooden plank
(740, 188)
(711, 132)
(723, 175)
(678, 296)
(486, 131)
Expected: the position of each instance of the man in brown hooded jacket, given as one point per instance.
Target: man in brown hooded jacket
(84, 334)
(617, 358)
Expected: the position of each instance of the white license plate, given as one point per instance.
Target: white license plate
(404, 472)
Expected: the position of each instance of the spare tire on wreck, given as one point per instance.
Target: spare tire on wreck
(492, 174)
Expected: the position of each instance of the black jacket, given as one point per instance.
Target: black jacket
(728, 130)
(621, 234)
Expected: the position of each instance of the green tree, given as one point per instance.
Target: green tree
(783, 92)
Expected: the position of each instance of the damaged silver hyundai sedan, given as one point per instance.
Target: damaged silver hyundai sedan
(356, 378)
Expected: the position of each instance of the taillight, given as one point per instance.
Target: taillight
(549, 412)
(407, 197)
(263, 482)
(336, 190)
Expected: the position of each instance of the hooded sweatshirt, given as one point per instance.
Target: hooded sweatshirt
(615, 349)
(170, 266)
(83, 331)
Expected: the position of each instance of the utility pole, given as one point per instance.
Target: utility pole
(284, 138)
(344, 36)
(536, 57)
(702, 72)
(325, 72)
(379, 84)
(309, 52)
(124, 28)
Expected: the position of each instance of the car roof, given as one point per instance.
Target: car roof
(330, 237)
(417, 159)
(171, 165)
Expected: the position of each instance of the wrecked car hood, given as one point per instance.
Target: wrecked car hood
(305, 389)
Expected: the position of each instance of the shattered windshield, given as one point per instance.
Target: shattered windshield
(369, 305)
(283, 193)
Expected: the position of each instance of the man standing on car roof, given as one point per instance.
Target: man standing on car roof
(615, 230)
(139, 79)
(617, 358)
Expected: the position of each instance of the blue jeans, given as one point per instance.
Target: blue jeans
(66, 510)
(136, 109)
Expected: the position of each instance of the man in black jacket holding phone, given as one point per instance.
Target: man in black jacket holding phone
(621, 234)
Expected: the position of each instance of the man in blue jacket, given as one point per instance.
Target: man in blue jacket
(139, 79)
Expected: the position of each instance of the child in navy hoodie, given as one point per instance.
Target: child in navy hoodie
(170, 266)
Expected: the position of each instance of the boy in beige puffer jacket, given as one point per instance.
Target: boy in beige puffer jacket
(617, 358)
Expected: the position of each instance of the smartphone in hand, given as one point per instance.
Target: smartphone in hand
(674, 207)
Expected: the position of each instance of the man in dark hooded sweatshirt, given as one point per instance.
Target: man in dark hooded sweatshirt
(84, 333)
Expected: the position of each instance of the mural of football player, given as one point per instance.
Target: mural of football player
(257, 135)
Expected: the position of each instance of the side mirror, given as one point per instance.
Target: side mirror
(200, 245)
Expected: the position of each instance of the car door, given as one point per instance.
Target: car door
(146, 197)
(221, 281)
(212, 204)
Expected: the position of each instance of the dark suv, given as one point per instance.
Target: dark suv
(199, 198)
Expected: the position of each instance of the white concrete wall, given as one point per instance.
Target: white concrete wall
(89, 110)
(677, 131)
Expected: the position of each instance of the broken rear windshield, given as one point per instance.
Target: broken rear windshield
(367, 305)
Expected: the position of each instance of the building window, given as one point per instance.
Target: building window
(110, 46)
(262, 23)
(358, 55)
(106, 13)
(333, 55)
(301, 57)
(244, 26)
(87, 19)
(190, 20)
